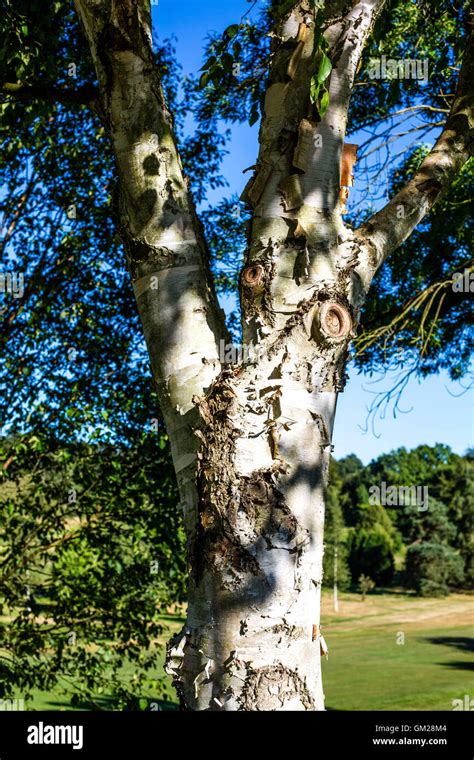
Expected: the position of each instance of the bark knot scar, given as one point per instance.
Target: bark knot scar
(253, 275)
(335, 320)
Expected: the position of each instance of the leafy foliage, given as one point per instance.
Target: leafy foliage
(319, 93)
(91, 551)
(366, 584)
(335, 533)
(428, 29)
(372, 553)
(414, 311)
(77, 408)
(431, 568)
(412, 318)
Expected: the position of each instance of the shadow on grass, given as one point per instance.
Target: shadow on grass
(460, 665)
(395, 591)
(464, 643)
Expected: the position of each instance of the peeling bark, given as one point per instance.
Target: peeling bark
(257, 555)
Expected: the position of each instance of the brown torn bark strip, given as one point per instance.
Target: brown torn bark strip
(296, 57)
(256, 185)
(343, 197)
(349, 157)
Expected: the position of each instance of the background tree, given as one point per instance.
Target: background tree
(450, 522)
(335, 533)
(431, 568)
(91, 552)
(373, 543)
(366, 584)
(85, 568)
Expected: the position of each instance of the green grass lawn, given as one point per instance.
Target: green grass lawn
(367, 669)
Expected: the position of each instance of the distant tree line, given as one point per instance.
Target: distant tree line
(406, 519)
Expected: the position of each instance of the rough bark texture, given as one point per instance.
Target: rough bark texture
(253, 474)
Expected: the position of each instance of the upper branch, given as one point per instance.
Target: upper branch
(294, 177)
(347, 36)
(390, 226)
(295, 189)
(167, 255)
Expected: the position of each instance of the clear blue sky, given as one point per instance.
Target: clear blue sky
(433, 413)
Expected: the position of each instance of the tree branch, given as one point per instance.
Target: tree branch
(20, 206)
(167, 255)
(389, 227)
(294, 191)
(391, 115)
(348, 38)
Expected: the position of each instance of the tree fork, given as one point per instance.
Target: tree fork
(252, 478)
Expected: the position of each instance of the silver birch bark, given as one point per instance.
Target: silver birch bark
(251, 441)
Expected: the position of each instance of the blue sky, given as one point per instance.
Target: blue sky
(435, 409)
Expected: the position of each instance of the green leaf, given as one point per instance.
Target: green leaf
(208, 64)
(204, 79)
(227, 61)
(231, 31)
(254, 115)
(314, 89)
(324, 102)
(324, 69)
(216, 75)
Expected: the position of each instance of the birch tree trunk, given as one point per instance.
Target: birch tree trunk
(251, 441)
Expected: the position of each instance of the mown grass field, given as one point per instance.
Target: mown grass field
(367, 669)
